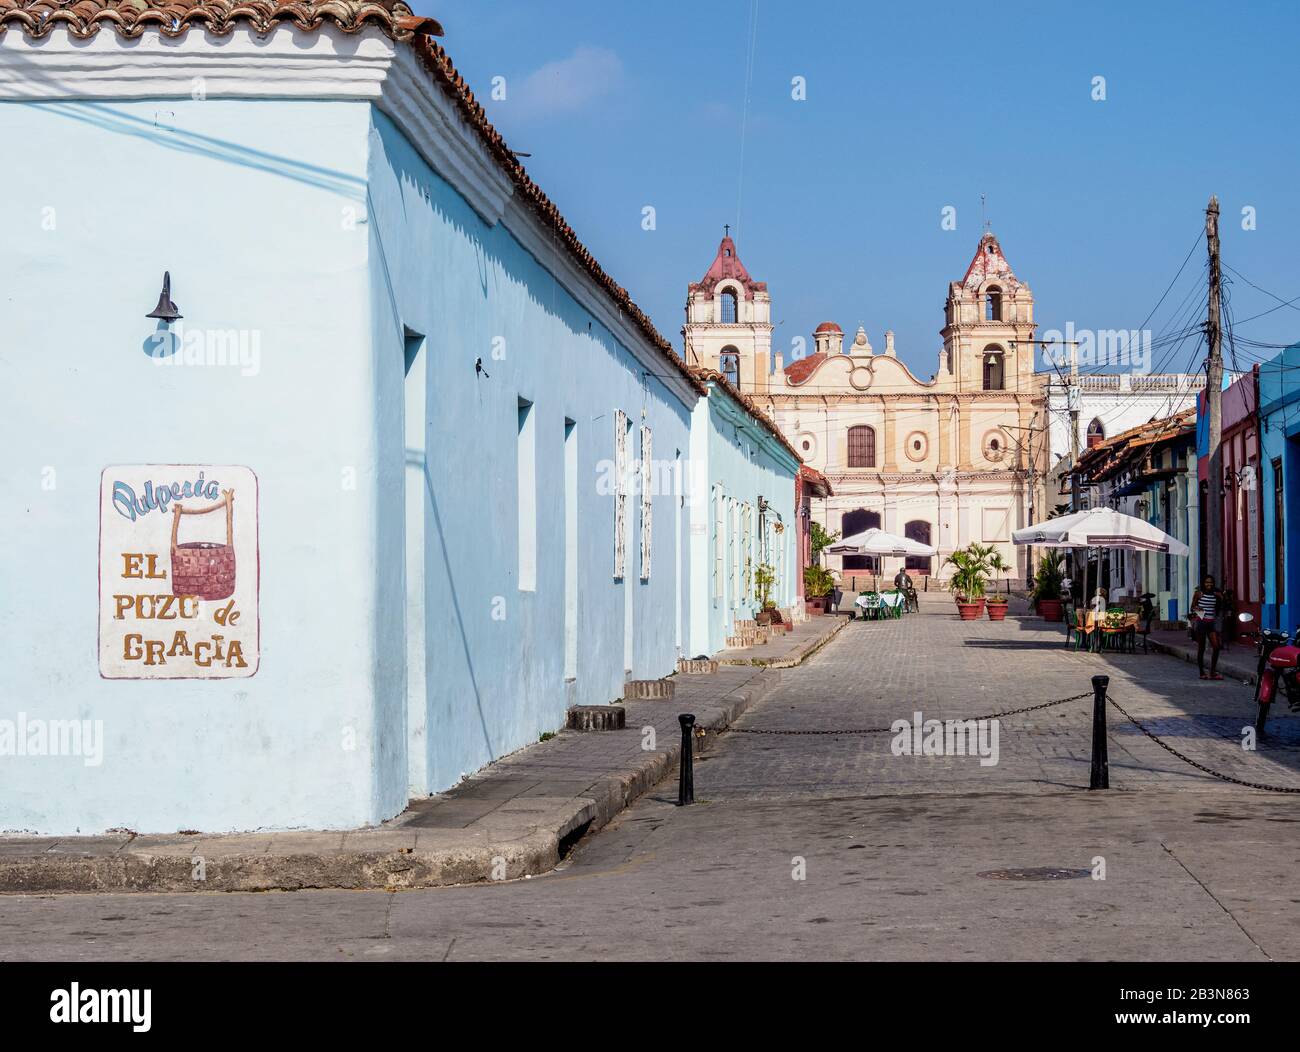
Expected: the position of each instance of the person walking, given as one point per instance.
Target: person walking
(1207, 625)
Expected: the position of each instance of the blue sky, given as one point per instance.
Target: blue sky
(910, 108)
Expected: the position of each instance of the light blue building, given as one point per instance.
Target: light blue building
(1279, 430)
(434, 414)
(742, 514)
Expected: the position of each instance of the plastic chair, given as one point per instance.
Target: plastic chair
(1116, 630)
(1080, 630)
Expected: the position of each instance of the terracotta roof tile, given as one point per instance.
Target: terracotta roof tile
(815, 480)
(802, 368)
(130, 18)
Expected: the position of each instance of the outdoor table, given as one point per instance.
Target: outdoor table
(887, 599)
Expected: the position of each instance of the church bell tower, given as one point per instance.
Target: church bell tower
(729, 322)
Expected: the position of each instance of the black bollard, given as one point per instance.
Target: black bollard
(1100, 764)
(686, 778)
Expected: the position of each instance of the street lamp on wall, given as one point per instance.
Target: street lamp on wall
(166, 310)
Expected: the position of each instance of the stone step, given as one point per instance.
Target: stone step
(642, 689)
(597, 718)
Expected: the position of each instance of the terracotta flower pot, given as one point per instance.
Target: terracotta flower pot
(815, 606)
(969, 611)
(997, 611)
(1051, 609)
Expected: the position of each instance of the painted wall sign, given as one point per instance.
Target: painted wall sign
(178, 572)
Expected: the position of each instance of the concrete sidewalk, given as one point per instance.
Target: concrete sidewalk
(1236, 660)
(516, 818)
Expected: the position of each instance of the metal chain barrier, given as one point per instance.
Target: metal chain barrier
(1033, 708)
(890, 729)
(1200, 766)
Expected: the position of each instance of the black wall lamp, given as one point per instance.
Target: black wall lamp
(166, 309)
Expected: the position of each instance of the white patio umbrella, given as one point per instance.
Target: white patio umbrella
(877, 542)
(1100, 528)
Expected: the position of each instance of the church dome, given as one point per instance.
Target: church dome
(828, 326)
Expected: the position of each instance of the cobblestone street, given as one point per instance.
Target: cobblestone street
(829, 846)
(875, 673)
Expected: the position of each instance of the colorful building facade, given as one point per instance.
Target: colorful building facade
(1279, 488)
(1148, 471)
(1242, 530)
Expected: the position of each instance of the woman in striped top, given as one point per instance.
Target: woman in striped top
(1206, 617)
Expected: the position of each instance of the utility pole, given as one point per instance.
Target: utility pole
(1214, 404)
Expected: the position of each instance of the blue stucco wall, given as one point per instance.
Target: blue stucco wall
(733, 452)
(315, 226)
(244, 203)
(496, 676)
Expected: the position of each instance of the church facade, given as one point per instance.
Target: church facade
(945, 461)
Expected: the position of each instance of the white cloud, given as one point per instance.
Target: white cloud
(568, 84)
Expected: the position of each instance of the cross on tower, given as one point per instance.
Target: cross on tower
(726, 230)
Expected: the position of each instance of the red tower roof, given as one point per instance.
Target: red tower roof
(989, 264)
(727, 266)
(828, 326)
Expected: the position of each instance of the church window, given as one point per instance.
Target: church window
(994, 371)
(993, 304)
(729, 305)
(862, 447)
(729, 365)
(1096, 433)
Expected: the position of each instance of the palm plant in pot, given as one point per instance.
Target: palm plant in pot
(969, 580)
(997, 604)
(1047, 586)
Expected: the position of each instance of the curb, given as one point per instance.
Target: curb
(393, 857)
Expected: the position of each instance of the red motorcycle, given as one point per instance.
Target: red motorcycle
(1279, 663)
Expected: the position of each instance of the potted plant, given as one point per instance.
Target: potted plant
(967, 583)
(818, 584)
(1047, 586)
(997, 604)
(764, 578)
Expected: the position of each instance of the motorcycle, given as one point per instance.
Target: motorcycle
(1279, 663)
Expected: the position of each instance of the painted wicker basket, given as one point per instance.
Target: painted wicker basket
(204, 568)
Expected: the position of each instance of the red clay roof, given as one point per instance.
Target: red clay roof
(828, 326)
(1103, 460)
(799, 370)
(816, 481)
(130, 18)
